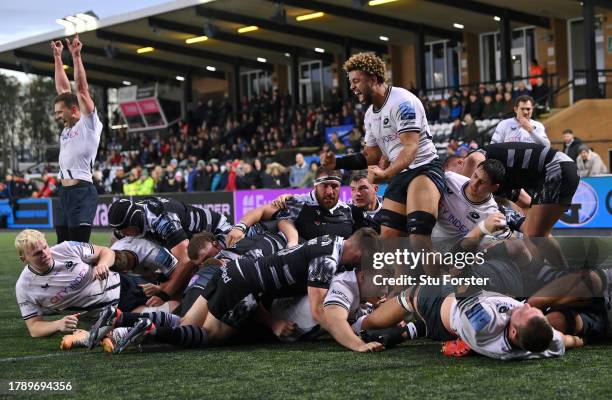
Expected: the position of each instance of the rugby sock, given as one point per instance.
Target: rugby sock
(159, 318)
(391, 336)
(187, 336)
(80, 233)
(62, 233)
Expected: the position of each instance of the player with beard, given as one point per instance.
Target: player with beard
(396, 127)
(306, 216)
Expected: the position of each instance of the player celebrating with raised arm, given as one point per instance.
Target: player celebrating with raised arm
(396, 127)
(79, 142)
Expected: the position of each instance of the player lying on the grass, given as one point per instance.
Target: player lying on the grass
(69, 278)
(202, 246)
(492, 324)
(233, 294)
(170, 223)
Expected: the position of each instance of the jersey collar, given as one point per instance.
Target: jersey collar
(43, 274)
(470, 201)
(376, 111)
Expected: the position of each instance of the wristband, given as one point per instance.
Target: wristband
(242, 226)
(483, 228)
(353, 161)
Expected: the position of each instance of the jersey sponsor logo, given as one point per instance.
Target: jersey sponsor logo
(478, 317)
(340, 294)
(74, 285)
(224, 276)
(69, 265)
(390, 138)
(70, 134)
(386, 123)
(502, 309)
(474, 215)
(406, 111)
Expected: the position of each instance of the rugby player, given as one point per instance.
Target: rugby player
(233, 294)
(69, 278)
(79, 142)
(169, 223)
(307, 216)
(492, 324)
(364, 199)
(521, 128)
(468, 208)
(396, 127)
(549, 173)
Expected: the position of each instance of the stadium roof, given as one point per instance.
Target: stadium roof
(110, 50)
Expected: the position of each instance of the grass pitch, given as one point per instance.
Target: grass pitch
(321, 370)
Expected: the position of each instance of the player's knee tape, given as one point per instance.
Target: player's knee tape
(393, 220)
(420, 223)
(570, 318)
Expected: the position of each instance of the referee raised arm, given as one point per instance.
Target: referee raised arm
(78, 147)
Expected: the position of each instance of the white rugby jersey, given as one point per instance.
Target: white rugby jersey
(401, 112)
(68, 287)
(457, 215)
(78, 147)
(510, 130)
(151, 257)
(482, 322)
(344, 292)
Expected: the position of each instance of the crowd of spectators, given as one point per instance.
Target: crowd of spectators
(218, 148)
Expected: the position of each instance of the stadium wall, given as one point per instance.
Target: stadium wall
(591, 208)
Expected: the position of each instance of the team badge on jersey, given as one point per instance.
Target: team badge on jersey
(406, 110)
(474, 215)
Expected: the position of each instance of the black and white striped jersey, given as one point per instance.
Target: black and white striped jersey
(290, 271)
(311, 220)
(169, 222)
(260, 245)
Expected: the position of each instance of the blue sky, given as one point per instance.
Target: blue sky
(24, 18)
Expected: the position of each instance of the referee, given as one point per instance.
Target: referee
(78, 147)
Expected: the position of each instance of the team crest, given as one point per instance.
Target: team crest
(69, 265)
(474, 215)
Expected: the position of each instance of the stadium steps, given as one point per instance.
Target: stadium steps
(591, 121)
